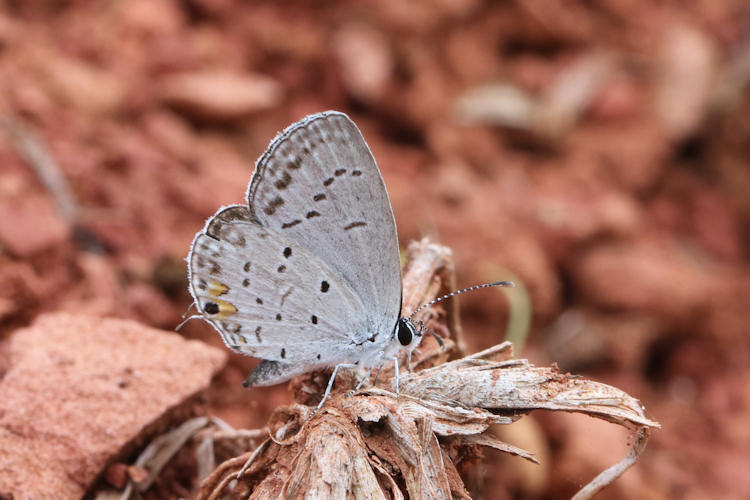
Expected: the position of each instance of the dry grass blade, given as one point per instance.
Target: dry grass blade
(205, 457)
(162, 449)
(37, 155)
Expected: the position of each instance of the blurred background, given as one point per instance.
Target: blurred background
(598, 153)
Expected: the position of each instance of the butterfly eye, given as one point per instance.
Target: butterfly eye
(405, 331)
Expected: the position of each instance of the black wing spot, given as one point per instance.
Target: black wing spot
(211, 308)
(202, 285)
(284, 182)
(318, 356)
(246, 267)
(287, 225)
(295, 163)
(236, 328)
(273, 205)
(281, 268)
(328, 181)
(356, 173)
(259, 301)
(319, 197)
(314, 319)
(215, 268)
(257, 334)
(287, 252)
(339, 172)
(312, 213)
(324, 286)
(278, 317)
(283, 353)
(246, 283)
(354, 224)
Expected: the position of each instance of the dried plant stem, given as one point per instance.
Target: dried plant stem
(252, 457)
(377, 444)
(608, 476)
(215, 483)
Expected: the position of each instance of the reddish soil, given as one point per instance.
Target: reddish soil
(596, 154)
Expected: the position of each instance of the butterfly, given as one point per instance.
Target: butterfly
(307, 274)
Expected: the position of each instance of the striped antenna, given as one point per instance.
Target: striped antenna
(458, 292)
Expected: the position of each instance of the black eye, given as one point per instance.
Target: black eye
(405, 331)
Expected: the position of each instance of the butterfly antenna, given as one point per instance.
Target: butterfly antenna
(459, 292)
(194, 316)
(424, 328)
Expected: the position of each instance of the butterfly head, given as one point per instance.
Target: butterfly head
(406, 332)
(407, 335)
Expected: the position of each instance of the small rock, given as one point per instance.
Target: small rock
(654, 275)
(687, 72)
(81, 85)
(21, 214)
(78, 390)
(117, 475)
(220, 96)
(365, 61)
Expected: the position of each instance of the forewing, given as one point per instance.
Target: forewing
(318, 185)
(267, 295)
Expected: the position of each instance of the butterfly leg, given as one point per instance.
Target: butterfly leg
(377, 373)
(379, 363)
(395, 369)
(365, 378)
(330, 382)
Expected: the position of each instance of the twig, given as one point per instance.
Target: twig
(217, 480)
(241, 433)
(252, 458)
(36, 154)
(608, 476)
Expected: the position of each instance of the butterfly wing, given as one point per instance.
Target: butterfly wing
(268, 296)
(318, 185)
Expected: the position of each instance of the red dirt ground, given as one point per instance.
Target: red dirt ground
(598, 153)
